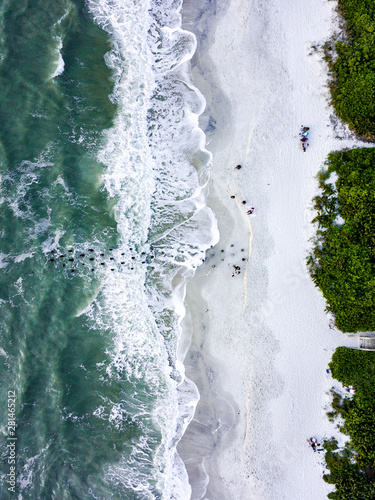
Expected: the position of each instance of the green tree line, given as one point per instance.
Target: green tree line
(342, 262)
(353, 70)
(352, 469)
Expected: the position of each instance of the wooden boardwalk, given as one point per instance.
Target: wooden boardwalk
(366, 342)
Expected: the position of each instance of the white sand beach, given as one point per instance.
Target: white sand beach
(261, 340)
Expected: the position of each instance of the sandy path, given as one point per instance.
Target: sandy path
(261, 339)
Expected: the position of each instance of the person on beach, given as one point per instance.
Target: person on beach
(304, 137)
(313, 443)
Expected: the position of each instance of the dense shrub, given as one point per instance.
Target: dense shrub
(353, 71)
(342, 262)
(352, 470)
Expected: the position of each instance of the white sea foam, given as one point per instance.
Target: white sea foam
(60, 61)
(3, 261)
(58, 37)
(27, 473)
(23, 256)
(158, 169)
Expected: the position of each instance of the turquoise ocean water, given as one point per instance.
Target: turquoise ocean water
(103, 219)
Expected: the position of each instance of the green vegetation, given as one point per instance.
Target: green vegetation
(330, 444)
(342, 262)
(352, 470)
(339, 405)
(353, 70)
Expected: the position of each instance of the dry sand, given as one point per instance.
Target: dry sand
(261, 340)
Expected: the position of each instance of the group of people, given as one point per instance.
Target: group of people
(237, 270)
(251, 210)
(91, 259)
(304, 137)
(350, 389)
(313, 443)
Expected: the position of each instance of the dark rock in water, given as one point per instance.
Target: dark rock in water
(53, 251)
(52, 260)
(110, 249)
(102, 264)
(92, 269)
(91, 249)
(92, 258)
(71, 250)
(112, 269)
(102, 255)
(62, 256)
(122, 254)
(238, 167)
(111, 258)
(133, 258)
(244, 202)
(71, 260)
(122, 262)
(81, 254)
(233, 197)
(63, 265)
(72, 271)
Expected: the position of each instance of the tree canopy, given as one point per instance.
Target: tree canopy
(342, 262)
(353, 70)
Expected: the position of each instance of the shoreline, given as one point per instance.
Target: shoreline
(215, 412)
(260, 340)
